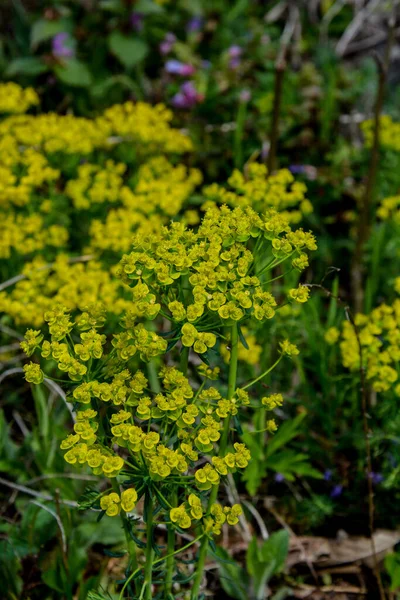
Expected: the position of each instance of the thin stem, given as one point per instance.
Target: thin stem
(238, 136)
(184, 360)
(130, 544)
(156, 562)
(263, 374)
(170, 549)
(364, 220)
(148, 567)
(222, 449)
(367, 435)
(183, 366)
(153, 377)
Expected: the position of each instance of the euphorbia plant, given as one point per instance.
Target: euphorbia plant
(172, 436)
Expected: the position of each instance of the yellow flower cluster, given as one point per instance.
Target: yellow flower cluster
(76, 348)
(56, 187)
(27, 235)
(74, 285)
(159, 194)
(184, 514)
(389, 209)
(96, 184)
(279, 191)
(147, 126)
(14, 99)
(379, 336)
(112, 503)
(217, 263)
(389, 132)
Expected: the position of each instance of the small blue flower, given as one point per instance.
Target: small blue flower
(337, 491)
(195, 24)
(376, 478)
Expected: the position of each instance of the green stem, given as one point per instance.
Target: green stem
(183, 366)
(153, 377)
(238, 137)
(156, 562)
(184, 360)
(148, 567)
(130, 544)
(170, 550)
(222, 449)
(263, 374)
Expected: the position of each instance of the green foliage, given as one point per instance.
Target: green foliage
(271, 456)
(266, 560)
(392, 566)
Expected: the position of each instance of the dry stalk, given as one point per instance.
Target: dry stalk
(367, 435)
(368, 197)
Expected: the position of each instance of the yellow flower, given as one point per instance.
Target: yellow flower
(111, 504)
(33, 373)
(332, 335)
(180, 517)
(128, 499)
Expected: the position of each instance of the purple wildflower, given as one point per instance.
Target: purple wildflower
(136, 20)
(176, 67)
(308, 170)
(297, 169)
(168, 43)
(195, 24)
(62, 45)
(337, 491)
(187, 97)
(279, 478)
(235, 51)
(328, 475)
(234, 63)
(376, 478)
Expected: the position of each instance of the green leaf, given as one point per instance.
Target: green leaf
(89, 499)
(74, 73)
(103, 87)
(286, 432)
(260, 570)
(92, 595)
(242, 338)
(232, 577)
(28, 65)
(253, 476)
(392, 566)
(115, 6)
(43, 29)
(148, 7)
(129, 50)
(276, 547)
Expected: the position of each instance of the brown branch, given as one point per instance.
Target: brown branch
(368, 197)
(280, 69)
(367, 434)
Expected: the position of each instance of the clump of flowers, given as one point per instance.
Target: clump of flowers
(140, 422)
(379, 336)
(279, 191)
(389, 209)
(15, 100)
(389, 132)
(72, 193)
